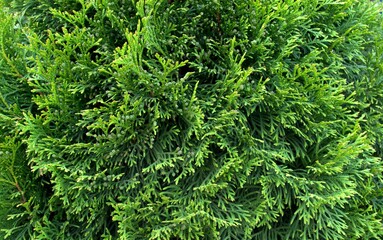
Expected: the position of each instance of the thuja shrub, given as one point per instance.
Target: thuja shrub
(191, 119)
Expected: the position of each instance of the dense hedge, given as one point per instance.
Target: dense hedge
(247, 119)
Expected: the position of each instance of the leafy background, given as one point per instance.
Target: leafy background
(191, 119)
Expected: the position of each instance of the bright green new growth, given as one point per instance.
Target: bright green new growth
(191, 119)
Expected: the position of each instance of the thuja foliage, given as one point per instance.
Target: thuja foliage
(247, 119)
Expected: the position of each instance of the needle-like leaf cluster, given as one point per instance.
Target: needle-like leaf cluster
(191, 119)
